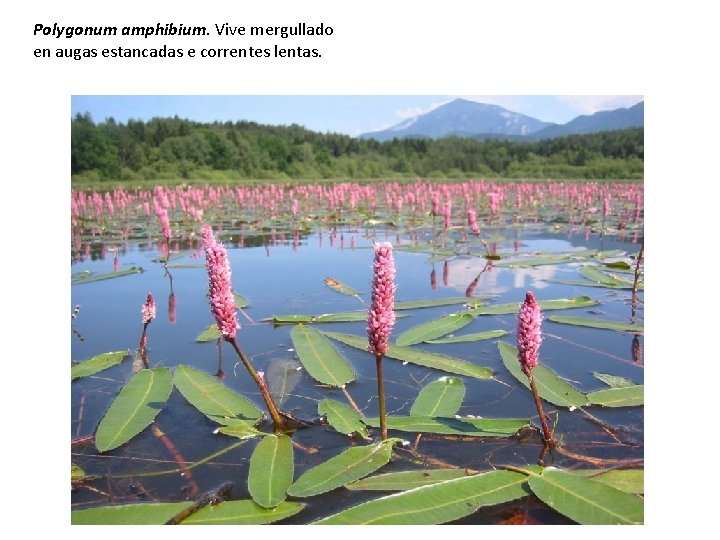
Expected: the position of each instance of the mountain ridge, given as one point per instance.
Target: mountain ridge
(464, 118)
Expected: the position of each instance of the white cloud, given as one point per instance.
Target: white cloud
(593, 104)
(411, 112)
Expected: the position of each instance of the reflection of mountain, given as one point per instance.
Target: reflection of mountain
(496, 280)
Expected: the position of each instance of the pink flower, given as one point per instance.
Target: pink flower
(381, 316)
(164, 222)
(472, 221)
(148, 309)
(222, 301)
(529, 336)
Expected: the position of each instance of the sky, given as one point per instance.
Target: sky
(351, 115)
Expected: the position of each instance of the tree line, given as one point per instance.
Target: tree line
(175, 148)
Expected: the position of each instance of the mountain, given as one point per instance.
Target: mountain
(593, 123)
(462, 118)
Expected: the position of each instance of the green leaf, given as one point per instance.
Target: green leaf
(402, 481)
(134, 409)
(617, 265)
(76, 472)
(211, 333)
(417, 304)
(437, 503)
(208, 395)
(89, 278)
(627, 480)
(612, 380)
(240, 301)
(128, 514)
(434, 329)
(442, 397)
(97, 363)
(535, 261)
(626, 396)
(321, 360)
(593, 273)
(342, 418)
(585, 500)
(467, 427)
(185, 265)
(271, 470)
(242, 429)
(340, 287)
(348, 466)
(490, 334)
(242, 513)
(598, 323)
(551, 387)
(419, 357)
(350, 316)
(545, 305)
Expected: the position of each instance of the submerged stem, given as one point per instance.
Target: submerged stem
(381, 397)
(272, 408)
(547, 434)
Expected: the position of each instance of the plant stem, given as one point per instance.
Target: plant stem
(381, 397)
(272, 408)
(637, 275)
(141, 347)
(547, 434)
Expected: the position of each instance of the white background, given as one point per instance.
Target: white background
(378, 47)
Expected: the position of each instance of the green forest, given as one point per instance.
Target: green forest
(174, 148)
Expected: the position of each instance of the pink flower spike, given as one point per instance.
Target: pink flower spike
(381, 316)
(222, 301)
(148, 309)
(529, 336)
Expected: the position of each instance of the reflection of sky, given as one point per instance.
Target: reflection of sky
(496, 280)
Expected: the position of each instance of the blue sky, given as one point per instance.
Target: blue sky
(351, 115)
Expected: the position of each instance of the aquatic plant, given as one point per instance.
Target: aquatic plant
(381, 317)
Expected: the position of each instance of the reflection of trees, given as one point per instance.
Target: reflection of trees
(463, 271)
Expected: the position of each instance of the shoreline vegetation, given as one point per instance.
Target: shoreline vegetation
(173, 151)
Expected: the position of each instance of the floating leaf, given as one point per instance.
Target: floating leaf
(208, 395)
(490, 334)
(535, 261)
(350, 316)
(97, 363)
(584, 500)
(89, 278)
(211, 333)
(402, 481)
(134, 409)
(442, 397)
(348, 466)
(185, 265)
(613, 380)
(240, 301)
(626, 396)
(437, 503)
(76, 472)
(417, 304)
(434, 329)
(593, 273)
(545, 305)
(617, 265)
(627, 480)
(467, 427)
(282, 376)
(551, 387)
(271, 470)
(242, 429)
(242, 513)
(342, 418)
(340, 287)
(320, 358)
(598, 323)
(418, 357)
(128, 514)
